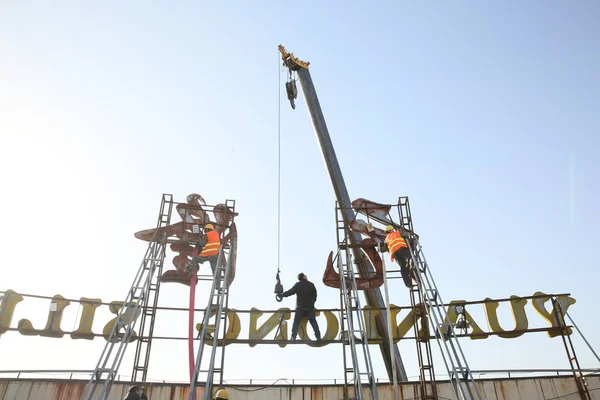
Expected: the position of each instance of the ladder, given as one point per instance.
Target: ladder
(433, 308)
(427, 389)
(217, 302)
(582, 386)
(351, 313)
(136, 302)
(143, 346)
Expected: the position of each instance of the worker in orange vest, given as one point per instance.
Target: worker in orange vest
(395, 243)
(210, 243)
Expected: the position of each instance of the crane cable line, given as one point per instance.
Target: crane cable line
(278, 285)
(279, 168)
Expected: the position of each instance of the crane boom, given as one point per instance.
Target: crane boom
(374, 297)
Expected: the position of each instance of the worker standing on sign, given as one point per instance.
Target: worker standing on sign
(210, 243)
(306, 296)
(395, 243)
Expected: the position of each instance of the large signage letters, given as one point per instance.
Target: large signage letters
(260, 325)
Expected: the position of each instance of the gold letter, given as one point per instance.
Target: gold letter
(275, 320)
(127, 317)
(7, 309)
(518, 312)
(233, 327)
(84, 331)
(57, 307)
(370, 314)
(333, 327)
(539, 305)
(408, 322)
(52, 329)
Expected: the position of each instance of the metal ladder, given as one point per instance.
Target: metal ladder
(582, 386)
(136, 301)
(459, 373)
(351, 312)
(216, 304)
(143, 346)
(427, 389)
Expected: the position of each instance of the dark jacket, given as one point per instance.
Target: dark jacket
(306, 294)
(132, 396)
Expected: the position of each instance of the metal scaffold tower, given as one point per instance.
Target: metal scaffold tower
(358, 368)
(207, 371)
(143, 346)
(428, 306)
(141, 297)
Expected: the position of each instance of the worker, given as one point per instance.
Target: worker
(134, 393)
(221, 395)
(210, 244)
(395, 243)
(306, 296)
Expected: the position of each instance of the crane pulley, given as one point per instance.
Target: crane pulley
(292, 90)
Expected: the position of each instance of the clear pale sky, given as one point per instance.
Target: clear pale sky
(485, 115)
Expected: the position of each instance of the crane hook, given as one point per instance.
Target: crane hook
(278, 289)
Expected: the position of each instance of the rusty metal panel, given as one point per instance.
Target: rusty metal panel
(445, 390)
(118, 391)
(17, 390)
(507, 389)
(567, 386)
(386, 392)
(530, 389)
(594, 386)
(548, 388)
(3, 388)
(67, 391)
(487, 389)
(41, 391)
(178, 392)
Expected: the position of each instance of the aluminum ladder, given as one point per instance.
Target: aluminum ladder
(458, 369)
(352, 313)
(98, 388)
(432, 308)
(210, 333)
(427, 389)
(565, 333)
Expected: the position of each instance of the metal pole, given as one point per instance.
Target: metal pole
(390, 331)
(374, 297)
(583, 337)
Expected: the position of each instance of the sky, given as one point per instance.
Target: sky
(485, 115)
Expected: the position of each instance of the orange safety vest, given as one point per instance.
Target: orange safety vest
(211, 248)
(394, 242)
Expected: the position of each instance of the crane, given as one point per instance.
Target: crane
(374, 297)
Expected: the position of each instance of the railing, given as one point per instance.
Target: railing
(477, 374)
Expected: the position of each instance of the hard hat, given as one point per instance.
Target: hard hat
(389, 228)
(222, 394)
(209, 226)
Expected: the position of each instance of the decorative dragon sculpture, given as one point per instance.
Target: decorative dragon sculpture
(376, 212)
(183, 236)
